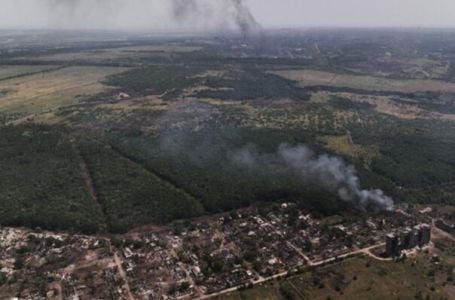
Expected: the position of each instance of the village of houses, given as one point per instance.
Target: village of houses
(199, 258)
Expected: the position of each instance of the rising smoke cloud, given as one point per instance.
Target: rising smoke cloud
(327, 171)
(234, 11)
(147, 15)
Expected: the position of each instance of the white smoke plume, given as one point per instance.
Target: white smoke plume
(328, 171)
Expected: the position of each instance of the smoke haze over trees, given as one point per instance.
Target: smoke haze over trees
(327, 171)
(213, 148)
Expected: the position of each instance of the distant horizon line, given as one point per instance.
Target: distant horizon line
(201, 32)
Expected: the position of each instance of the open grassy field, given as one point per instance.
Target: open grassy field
(423, 67)
(268, 291)
(417, 277)
(343, 145)
(413, 68)
(7, 72)
(364, 279)
(369, 83)
(114, 54)
(402, 108)
(47, 91)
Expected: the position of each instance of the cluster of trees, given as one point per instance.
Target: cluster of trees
(414, 153)
(168, 81)
(250, 83)
(242, 82)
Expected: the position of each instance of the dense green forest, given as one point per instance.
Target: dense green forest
(141, 181)
(154, 142)
(41, 183)
(132, 195)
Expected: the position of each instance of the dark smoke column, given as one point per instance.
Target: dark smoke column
(238, 13)
(244, 18)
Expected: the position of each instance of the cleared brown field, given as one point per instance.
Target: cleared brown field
(46, 91)
(370, 83)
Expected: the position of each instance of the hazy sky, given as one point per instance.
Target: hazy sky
(432, 13)
(219, 14)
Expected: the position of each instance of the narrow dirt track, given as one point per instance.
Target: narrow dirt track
(85, 173)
